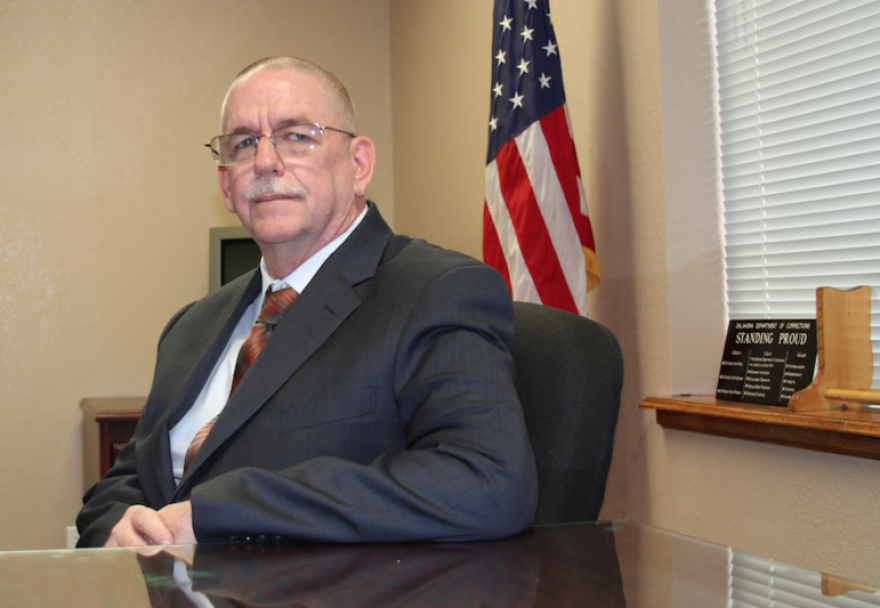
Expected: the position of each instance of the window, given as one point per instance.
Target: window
(799, 104)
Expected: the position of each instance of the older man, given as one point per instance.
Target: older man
(357, 387)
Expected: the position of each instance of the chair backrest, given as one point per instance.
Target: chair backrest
(569, 375)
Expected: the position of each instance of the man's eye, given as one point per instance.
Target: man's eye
(246, 142)
(295, 136)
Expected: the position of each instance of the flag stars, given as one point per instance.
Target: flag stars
(498, 89)
(532, 3)
(501, 57)
(527, 33)
(545, 81)
(523, 67)
(505, 23)
(493, 124)
(550, 48)
(516, 100)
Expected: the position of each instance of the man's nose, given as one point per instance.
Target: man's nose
(267, 160)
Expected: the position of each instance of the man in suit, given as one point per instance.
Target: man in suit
(381, 408)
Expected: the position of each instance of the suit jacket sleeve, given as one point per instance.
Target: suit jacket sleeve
(106, 502)
(466, 471)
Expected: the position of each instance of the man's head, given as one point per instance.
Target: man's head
(294, 205)
(338, 94)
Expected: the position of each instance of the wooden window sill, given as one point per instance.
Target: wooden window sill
(853, 432)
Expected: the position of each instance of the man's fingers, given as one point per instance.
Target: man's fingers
(147, 523)
(140, 526)
(126, 538)
(178, 519)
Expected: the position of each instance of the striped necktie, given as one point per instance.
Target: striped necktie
(276, 304)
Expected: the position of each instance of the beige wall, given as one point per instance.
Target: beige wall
(800, 506)
(103, 244)
(107, 196)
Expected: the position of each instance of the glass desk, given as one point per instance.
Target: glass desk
(614, 564)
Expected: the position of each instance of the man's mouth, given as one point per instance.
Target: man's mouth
(267, 189)
(266, 198)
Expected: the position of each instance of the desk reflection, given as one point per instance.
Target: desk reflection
(542, 567)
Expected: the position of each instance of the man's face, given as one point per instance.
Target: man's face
(290, 206)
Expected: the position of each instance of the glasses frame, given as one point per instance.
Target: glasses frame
(321, 128)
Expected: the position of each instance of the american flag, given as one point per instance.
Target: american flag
(536, 229)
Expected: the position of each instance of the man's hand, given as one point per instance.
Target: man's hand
(142, 526)
(178, 518)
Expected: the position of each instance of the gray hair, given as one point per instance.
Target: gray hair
(336, 89)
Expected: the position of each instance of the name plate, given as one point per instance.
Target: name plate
(767, 361)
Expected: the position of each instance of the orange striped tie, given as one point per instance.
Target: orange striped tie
(276, 304)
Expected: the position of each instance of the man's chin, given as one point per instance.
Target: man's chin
(273, 233)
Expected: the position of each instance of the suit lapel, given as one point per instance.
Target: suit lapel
(323, 306)
(211, 337)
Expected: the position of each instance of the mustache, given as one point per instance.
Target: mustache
(272, 185)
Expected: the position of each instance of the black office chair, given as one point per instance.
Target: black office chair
(569, 374)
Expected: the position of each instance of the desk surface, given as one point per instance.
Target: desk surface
(614, 564)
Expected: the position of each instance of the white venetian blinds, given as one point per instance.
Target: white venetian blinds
(759, 582)
(799, 98)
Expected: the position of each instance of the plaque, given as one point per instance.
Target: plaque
(767, 361)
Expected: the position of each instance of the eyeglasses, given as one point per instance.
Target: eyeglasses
(298, 139)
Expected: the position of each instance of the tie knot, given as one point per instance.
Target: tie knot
(276, 304)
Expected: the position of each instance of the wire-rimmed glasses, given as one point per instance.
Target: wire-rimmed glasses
(297, 139)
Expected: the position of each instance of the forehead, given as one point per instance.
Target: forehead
(271, 97)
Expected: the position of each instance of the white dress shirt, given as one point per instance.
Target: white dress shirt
(215, 393)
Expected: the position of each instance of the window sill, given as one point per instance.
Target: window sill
(854, 432)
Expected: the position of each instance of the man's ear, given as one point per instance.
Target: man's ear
(225, 188)
(364, 158)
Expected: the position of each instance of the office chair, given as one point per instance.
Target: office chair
(569, 375)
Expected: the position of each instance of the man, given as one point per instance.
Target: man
(381, 408)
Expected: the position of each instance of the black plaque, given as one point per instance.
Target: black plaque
(767, 361)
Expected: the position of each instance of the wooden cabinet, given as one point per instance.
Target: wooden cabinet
(108, 424)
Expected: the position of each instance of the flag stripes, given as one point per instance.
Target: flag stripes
(537, 152)
(536, 229)
(509, 256)
(534, 225)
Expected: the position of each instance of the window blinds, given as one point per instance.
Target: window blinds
(799, 101)
(759, 582)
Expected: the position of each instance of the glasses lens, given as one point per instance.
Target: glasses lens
(298, 140)
(237, 148)
(293, 140)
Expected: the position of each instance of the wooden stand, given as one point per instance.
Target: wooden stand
(827, 415)
(846, 364)
(834, 586)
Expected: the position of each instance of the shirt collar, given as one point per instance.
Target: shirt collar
(300, 278)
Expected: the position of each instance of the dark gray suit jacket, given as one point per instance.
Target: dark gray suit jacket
(382, 409)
